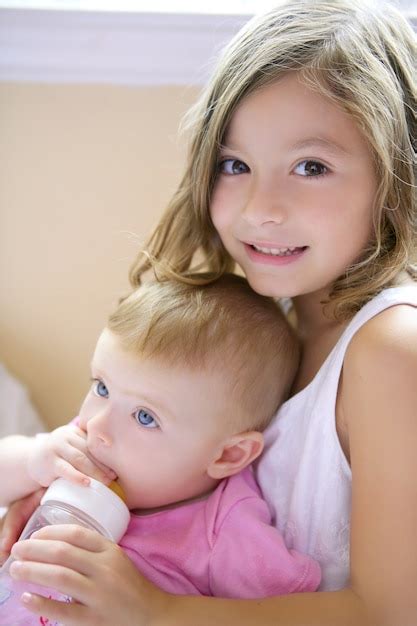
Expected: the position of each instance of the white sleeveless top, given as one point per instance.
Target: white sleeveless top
(303, 472)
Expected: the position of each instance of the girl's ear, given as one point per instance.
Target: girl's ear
(235, 454)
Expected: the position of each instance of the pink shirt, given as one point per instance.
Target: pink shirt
(221, 546)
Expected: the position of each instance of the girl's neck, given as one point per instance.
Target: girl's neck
(309, 311)
(310, 319)
(318, 334)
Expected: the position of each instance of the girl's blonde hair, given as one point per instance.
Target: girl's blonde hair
(222, 326)
(360, 54)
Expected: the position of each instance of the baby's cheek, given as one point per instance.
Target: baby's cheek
(84, 411)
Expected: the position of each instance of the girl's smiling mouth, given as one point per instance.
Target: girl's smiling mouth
(275, 255)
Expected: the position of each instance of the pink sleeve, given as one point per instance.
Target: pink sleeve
(250, 560)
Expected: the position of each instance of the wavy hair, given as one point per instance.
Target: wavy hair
(362, 55)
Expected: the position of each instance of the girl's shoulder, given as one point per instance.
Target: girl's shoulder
(380, 364)
(391, 334)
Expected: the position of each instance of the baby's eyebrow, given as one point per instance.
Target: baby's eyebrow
(93, 367)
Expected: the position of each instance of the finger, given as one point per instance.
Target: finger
(71, 614)
(61, 579)
(4, 551)
(82, 434)
(104, 468)
(77, 456)
(70, 443)
(5, 543)
(73, 534)
(64, 469)
(54, 552)
(80, 441)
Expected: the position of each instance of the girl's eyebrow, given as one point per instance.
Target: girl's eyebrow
(309, 143)
(228, 146)
(320, 142)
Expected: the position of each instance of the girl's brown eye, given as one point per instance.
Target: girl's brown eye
(310, 168)
(233, 167)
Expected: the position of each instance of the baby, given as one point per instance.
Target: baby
(184, 380)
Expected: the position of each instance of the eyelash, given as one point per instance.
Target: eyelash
(136, 414)
(230, 160)
(96, 382)
(305, 161)
(315, 162)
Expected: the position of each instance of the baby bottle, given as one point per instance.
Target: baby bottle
(94, 506)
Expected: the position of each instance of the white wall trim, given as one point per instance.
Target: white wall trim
(124, 48)
(116, 48)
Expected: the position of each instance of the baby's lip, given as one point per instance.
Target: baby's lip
(105, 468)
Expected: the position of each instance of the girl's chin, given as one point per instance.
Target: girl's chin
(271, 286)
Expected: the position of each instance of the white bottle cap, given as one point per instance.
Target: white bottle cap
(96, 500)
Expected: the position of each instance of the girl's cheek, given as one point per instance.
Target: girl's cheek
(219, 212)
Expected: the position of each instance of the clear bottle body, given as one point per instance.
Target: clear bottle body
(12, 611)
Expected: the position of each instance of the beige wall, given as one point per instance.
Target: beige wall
(81, 169)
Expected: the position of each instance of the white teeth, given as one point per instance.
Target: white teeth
(275, 251)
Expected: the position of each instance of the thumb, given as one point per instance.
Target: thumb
(15, 520)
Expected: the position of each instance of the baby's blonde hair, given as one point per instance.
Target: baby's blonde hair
(362, 55)
(223, 325)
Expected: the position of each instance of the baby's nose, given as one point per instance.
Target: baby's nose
(98, 429)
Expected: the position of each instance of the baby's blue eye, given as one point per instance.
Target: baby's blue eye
(233, 167)
(100, 389)
(145, 419)
(310, 168)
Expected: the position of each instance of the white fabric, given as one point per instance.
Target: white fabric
(17, 414)
(303, 472)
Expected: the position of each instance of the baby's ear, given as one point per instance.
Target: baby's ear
(235, 454)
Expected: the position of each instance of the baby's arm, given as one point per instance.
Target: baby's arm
(33, 462)
(16, 482)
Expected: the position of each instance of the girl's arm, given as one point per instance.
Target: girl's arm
(339, 608)
(109, 590)
(378, 399)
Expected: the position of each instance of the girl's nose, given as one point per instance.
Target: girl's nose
(265, 204)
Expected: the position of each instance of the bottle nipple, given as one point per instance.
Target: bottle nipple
(116, 488)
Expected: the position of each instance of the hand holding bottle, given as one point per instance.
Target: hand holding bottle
(94, 507)
(103, 581)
